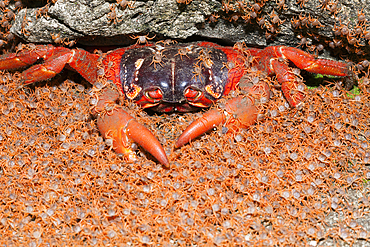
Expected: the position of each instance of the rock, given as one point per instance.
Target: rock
(98, 20)
(307, 23)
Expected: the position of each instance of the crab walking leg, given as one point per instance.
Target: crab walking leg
(56, 58)
(274, 60)
(308, 62)
(289, 84)
(27, 57)
(123, 128)
(48, 69)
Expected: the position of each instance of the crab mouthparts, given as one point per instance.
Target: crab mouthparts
(174, 107)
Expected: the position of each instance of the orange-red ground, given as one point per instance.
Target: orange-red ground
(297, 178)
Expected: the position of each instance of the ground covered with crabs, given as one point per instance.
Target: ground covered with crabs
(297, 177)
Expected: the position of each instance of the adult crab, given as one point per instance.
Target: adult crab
(167, 76)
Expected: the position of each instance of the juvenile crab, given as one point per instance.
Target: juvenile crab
(175, 77)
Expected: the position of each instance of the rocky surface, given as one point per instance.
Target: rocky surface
(100, 22)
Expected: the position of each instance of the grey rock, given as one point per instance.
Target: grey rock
(101, 22)
(73, 19)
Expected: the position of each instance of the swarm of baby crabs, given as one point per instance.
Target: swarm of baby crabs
(167, 76)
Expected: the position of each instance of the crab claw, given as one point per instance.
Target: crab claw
(239, 112)
(209, 120)
(123, 129)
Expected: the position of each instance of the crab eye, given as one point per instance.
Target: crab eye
(154, 95)
(192, 94)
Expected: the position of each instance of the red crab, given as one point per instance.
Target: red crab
(175, 77)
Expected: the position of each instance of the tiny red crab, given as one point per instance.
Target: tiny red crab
(175, 77)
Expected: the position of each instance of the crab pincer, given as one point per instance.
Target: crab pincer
(239, 112)
(123, 129)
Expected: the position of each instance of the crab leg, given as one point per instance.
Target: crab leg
(308, 62)
(239, 112)
(289, 84)
(273, 60)
(122, 128)
(27, 57)
(56, 58)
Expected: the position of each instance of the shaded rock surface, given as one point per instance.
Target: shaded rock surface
(101, 22)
